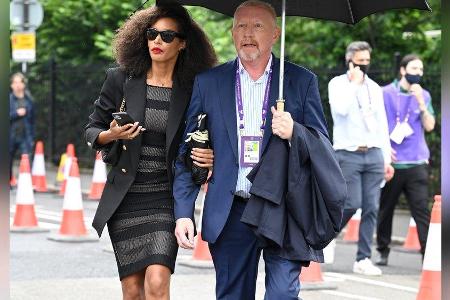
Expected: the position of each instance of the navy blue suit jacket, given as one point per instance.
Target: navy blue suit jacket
(214, 94)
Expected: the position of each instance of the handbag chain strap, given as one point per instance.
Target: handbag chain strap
(122, 105)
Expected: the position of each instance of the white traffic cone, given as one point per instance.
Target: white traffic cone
(38, 169)
(72, 227)
(98, 178)
(25, 219)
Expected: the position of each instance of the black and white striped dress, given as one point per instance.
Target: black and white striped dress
(142, 228)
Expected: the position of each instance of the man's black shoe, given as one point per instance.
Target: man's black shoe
(383, 259)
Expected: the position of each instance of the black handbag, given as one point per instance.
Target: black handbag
(111, 152)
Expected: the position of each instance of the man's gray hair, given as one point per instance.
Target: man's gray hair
(258, 3)
(355, 47)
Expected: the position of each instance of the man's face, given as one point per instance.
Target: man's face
(254, 33)
(361, 57)
(414, 67)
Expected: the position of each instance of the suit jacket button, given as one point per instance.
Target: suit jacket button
(124, 148)
(89, 144)
(124, 170)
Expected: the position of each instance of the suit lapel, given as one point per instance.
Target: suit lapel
(228, 104)
(272, 101)
(135, 93)
(179, 100)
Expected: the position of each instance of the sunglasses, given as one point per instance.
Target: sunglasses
(167, 35)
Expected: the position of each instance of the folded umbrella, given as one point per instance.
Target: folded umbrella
(197, 139)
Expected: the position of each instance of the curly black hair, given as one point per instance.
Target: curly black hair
(131, 48)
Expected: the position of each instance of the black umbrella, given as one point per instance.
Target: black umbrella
(345, 11)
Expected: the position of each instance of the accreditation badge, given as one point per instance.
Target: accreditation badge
(250, 151)
(406, 128)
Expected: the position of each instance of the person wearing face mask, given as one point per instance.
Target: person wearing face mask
(410, 114)
(361, 142)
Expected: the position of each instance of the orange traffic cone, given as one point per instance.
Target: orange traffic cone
(25, 217)
(201, 257)
(12, 181)
(70, 154)
(412, 239)
(352, 228)
(38, 169)
(98, 178)
(72, 227)
(311, 278)
(430, 283)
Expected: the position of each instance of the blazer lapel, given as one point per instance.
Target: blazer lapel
(179, 100)
(135, 93)
(272, 101)
(228, 104)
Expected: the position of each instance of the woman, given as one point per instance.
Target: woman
(410, 114)
(159, 50)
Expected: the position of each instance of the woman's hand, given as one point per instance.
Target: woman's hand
(116, 132)
(203, 158)
(125, 132)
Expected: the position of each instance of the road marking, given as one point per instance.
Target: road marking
(373, 282)
(349, 296)
(41, 224)
(51, 215)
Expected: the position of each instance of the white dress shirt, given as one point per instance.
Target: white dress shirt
(347, 101)
(252, 99)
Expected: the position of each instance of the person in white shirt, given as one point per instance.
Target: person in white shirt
(361, 141)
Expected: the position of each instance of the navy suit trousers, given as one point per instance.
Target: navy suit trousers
(236, 256)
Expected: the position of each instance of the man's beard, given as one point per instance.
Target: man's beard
(249, 56)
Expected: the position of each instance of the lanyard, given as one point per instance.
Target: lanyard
(241, 105)
(368, 94)
(397, 113)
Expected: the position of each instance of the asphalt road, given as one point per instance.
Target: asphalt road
(44, 269)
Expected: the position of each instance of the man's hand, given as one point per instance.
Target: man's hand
(203, 158)
(355, 74)
(21, 111)
(185, 225)
(416, 90)
(388, 172)
(282, 124)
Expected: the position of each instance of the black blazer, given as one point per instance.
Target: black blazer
(122, 174)
(297, 196)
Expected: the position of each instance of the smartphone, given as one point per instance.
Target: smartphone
(122, 118)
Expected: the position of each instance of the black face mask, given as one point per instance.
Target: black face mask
(413, 79)
(363, 68)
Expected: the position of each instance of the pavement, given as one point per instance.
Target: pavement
(44, 269)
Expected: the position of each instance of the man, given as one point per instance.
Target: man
(410, 114)
(21, 117)
(239, 99)
(361, 141)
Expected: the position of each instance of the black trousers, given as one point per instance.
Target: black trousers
(413, 182)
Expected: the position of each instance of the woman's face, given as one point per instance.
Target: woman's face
(161, 51)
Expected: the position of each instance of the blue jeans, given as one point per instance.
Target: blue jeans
(363, 172)
(236, 256)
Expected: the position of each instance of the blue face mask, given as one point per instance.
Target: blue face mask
(413, 79)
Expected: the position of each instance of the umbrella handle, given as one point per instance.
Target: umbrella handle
(280, 105)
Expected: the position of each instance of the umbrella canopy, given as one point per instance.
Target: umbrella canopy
(345, 11)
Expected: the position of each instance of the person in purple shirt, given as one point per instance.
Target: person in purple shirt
(410, 114)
